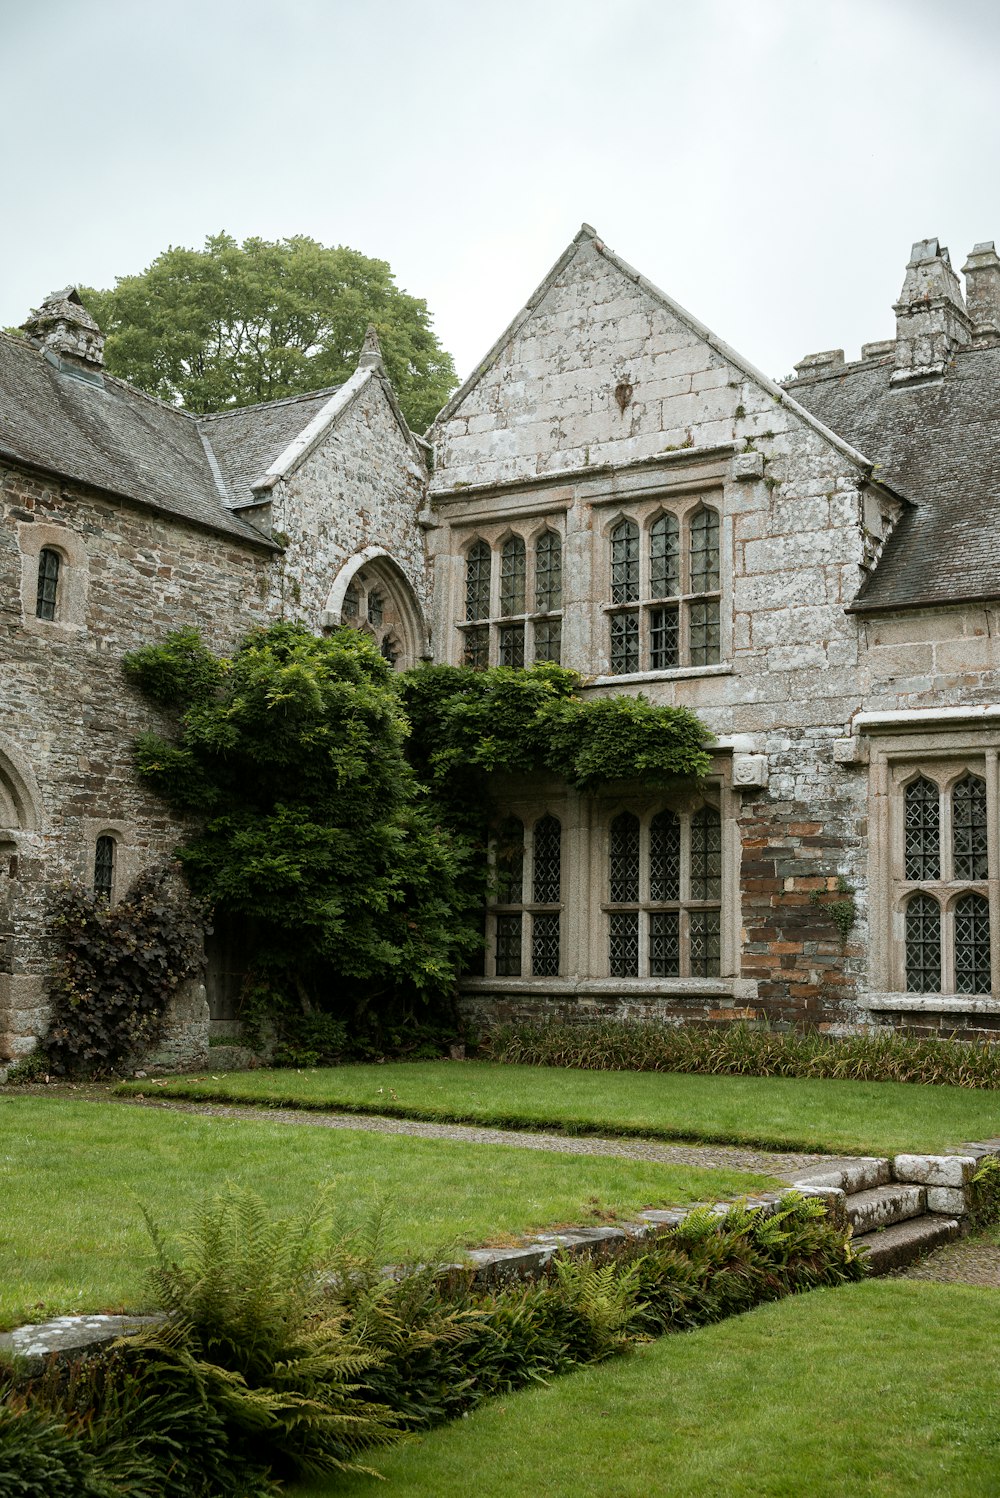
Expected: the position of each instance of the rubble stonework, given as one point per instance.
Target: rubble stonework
(858, 616)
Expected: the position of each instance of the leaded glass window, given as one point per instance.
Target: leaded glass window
(545, 946)
(706, 854)
(512, 578)
(548, 640)
(477, 647)
(509, 861)
(704, 551)
(972, 944)
(704, 649)
(48, 583)
(547, 870)
(664, 558)
(624, 859)
(511, 645)
(548, 574)
(104, 867)
(968, 824)
(625, 562)
(923, 944)
(508, 945)
(922, 803)
(477, 581)
(664, 638)
(623, 944)
(664, 857)
(664, 944)
(352, 604)
(376, 608)
(703, 933)
(624, 644)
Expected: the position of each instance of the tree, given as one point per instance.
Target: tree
(231, 325)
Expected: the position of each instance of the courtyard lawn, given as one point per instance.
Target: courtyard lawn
(74, 1175)
(879, 1390)
(838, 1117)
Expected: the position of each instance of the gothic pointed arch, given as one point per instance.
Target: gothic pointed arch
(371, 592)
(20, 803)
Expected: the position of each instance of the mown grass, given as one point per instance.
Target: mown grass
(74, 1175)
(879, 1390)
(839, 1117)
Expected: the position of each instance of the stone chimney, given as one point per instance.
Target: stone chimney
(931, 320)
(371, 351)
(67, 334)
(830, 361)
(982, 290)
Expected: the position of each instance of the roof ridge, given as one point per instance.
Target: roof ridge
(282, 400)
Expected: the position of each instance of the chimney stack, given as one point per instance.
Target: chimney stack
(982, 290)
(931, 320)
(67, 335)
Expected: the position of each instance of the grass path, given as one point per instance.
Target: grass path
(74, 1174)
(879, 1390)
(779, 1113)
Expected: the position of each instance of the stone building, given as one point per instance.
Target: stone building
(813, 568)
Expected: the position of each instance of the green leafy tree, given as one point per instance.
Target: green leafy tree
(232, 324)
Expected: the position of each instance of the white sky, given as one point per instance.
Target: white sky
(766, 162)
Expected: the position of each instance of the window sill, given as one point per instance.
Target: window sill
(583, 988)
(677, 673)
(933, 1003)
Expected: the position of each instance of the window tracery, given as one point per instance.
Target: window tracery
(664, 894)
(508, 632)
(527, 905)
(665, 593)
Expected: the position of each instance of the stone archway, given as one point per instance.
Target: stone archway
(372, 593)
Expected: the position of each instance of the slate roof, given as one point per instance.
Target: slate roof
(247, 440)
(938, 444)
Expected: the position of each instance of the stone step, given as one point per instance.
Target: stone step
(849, 1176)
(870, 1210)
(899, 1245)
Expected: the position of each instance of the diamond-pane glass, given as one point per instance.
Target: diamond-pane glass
(664, 944)
(477, 647)
(512, 576)
(664, 857)
(477, 581)
(705, 633)
(48, 583)
(664, 638)
(972, 944)
(664, 558)
(548, 640)
(624, 644)
(511, 651)
(547, 870)
(508, 953)
(548, 573)
(104, 867)
(706, 854)
(968, 821)
(703, 939)
(508, 848)
(625, 562)
(545, 946)
(624, 860)
(704, 552)
(623, 944)
(922, 805)
(923, 945)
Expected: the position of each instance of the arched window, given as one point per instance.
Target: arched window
(664, 558)
(48, 583)
(972, 944)
(546, 890)
(548, 573)
(922, 803)
(666, 592)
(968, 829)
(351, 607)
(104, 867)
(703, 613)
(513, 568)
(526, 909)
(478, 568)
(625, 562)
(667, 872)
(376, 608)
(923, 944)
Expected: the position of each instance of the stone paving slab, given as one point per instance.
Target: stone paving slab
(968, 1261)
(782, 1165)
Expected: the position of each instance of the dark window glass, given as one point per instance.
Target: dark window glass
(706, 854)
(625, 562)
(923, 945)
(508, 953)
(548, 574)
(509, 859)
(624, 644)
(623, 944)
(104, 867)
(664, 558)
(972, 944)
(477, 647)
(664, 638)
(664, 857)
(351, 603)
(511, 651)
(704, 625)
(624, 859)
(545, 946)
(703, 936)
(664, 944)
(923, 833)
(704, 552)
(477, 581)
(512, 573)
(548, 640)
(389, 650)
(547, 868)
(968, 820)
(48, 583)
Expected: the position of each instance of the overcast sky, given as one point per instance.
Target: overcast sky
(766, 162)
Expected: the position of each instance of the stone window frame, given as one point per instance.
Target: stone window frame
(128, 861)
(510, 638)
(645, 513)
(398, 627)
(943, 756)
(684, 807)
(70, 620)
(529, 814)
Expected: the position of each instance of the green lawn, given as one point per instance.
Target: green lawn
(877, 1390)
(73, 1175)
(839, 1117)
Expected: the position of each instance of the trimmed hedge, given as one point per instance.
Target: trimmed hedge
(742, 1051)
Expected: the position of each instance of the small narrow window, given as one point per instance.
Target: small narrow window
(547, 873)
(48, 583)
(548, 573)
(625, 562)
(664, 858)
(972, 944)
(351, 605)
(923, 945)
(968, 821)
(624, 644)
(376, 608)
(923, 830)
(664, 638)
(511, 645)
(508, 947)
(477, 581)
(104, 867)
(548, 640)
(624, 859)
(706, 854)
(509, 855)
(704, 551)
(664, 558)
(512, 578)
(477, 647)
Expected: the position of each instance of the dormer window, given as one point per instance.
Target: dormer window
(48, 583)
